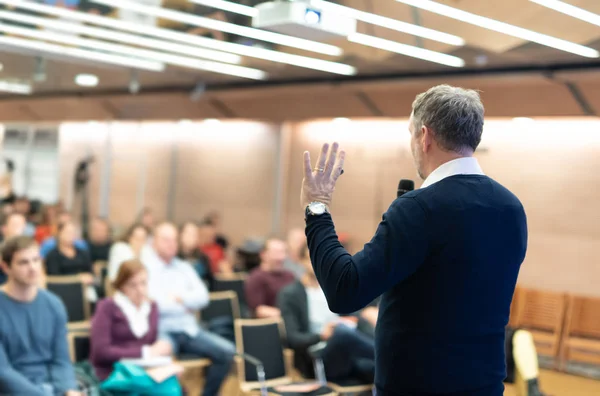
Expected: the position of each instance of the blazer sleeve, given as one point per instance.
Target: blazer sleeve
(399, 247)
(104, 348)
(291, 314)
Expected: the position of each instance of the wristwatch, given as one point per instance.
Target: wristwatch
(316, 209)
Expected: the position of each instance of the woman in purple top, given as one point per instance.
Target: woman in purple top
(126, 325)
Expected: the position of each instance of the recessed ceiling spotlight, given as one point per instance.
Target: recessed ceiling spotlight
(86, 80)
(212, 121)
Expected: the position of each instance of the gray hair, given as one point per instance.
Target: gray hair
(454, 115)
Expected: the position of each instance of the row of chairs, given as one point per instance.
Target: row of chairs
(262, 361)
(565, 327)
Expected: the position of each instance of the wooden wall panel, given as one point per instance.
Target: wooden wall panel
(228, 167)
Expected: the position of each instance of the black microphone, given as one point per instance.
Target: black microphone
(405, 186)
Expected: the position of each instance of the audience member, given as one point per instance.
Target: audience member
(131, 245)
(248, 255)
(179, 293)
(207, 242)
(23, 206)
(34, 354)
(67, 259)
(191, 253)
(126, 325)
(13, 224)
(50, 243)
(49, 224)
(349, 354)
(146, 218)
(99, 242)
(214, 218)
(296, 242)
(265, 281)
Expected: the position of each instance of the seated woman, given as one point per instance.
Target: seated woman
(191, 253)
(126, 325)
(68, 259)
(130, 246)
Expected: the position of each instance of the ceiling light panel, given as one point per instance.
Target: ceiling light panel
(501, 27)
(208, 23)
(188, 39)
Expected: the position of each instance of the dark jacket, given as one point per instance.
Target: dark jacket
(446, 259)
(293, 303)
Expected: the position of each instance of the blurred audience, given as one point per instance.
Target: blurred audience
(100, 240)
(349, 353)
(248, 255)
(146, 218)
(34, 354)
(214, 218)
(50, 243)
(13, 224)
(207, 241)
(126, 324)
(22, 205)
(67, 259)
(131, 245)
(296, 242)
(49, 224)
(265, 281)
(179, 293)
(191, 253)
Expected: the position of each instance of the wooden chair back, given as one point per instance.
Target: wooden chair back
(581, 339)
(542, 313)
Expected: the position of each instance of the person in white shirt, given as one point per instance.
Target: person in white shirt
(179, 293)
(130, 246)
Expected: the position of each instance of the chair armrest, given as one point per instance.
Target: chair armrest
(316, 351)
(260, 370)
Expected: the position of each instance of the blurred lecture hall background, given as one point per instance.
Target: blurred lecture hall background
(135, 131)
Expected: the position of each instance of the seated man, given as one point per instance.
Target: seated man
(349, 354)
(34, 355)
(265, 281)
(179, 293)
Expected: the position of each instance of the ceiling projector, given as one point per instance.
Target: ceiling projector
(301, 19)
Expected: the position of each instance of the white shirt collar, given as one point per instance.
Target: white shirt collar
(138, 318)
(459, 166)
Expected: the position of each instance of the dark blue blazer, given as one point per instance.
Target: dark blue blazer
(445, 259)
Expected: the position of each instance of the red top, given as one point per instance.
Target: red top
(215, 254)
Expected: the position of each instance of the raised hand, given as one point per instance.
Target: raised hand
(319, 183)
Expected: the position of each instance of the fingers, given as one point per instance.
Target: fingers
(307, 166)
(331, 160)
(323, 157)
(339, 166)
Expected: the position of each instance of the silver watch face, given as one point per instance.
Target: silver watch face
(317, 208)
